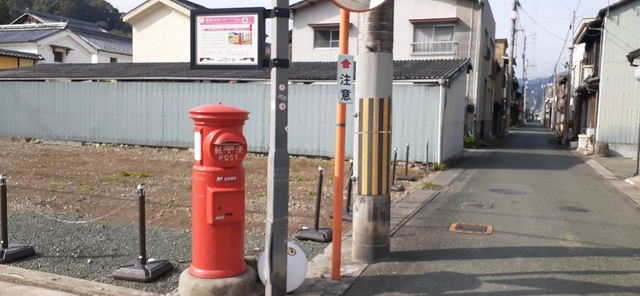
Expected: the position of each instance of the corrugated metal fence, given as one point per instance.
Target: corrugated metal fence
(156, 114)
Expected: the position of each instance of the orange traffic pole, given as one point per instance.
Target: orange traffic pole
(338, 174)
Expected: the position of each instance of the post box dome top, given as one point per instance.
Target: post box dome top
(218, 111)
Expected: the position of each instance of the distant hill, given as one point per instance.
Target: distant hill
(535, 94)
(99, 12)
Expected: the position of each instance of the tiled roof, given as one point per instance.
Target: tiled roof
(50, 18)
(301, 4)
(299, 71)
(106, 42)
(188, 4)
(428, 69)
(12, 36)
(51, 24)
(20, 54)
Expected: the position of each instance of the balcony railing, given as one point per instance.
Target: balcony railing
(434, 48)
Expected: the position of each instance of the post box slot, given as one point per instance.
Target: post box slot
(224, 205)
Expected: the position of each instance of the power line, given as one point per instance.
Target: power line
(536, 22)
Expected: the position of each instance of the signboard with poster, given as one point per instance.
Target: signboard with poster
(227, 38)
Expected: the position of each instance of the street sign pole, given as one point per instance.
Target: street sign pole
(278, 164)
(345, 95)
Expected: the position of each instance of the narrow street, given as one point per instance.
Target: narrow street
(558, 228)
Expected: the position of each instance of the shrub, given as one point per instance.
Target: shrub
(469, 142)
(439, 166)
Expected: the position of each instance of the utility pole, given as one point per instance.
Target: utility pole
(524, 82)
(567, 107)
(372, 202)
(514, 14)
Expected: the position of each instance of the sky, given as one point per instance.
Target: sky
(545, 23)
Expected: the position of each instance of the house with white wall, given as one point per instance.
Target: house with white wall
(55, 39)
(608, 92)
(431, 29)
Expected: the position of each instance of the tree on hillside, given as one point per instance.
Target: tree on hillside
(99, 12)
(18, 7)
(57, 7)
(5, 17)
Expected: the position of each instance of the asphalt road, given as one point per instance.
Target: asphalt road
(558, 228)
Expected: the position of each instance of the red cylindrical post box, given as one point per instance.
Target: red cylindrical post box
(218, 191)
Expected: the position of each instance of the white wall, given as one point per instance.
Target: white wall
(81, 52)
(105, 57)
(417, 9)
(322, 12)
(619, 107)
(455, 108)
(163, 36)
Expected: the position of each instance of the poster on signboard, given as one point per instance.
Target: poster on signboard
(223, 38)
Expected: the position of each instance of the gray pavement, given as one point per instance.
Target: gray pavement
(618, 171)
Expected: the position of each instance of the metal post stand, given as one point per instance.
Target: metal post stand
(406, 176)
(10, 252)
(395, 187)
(638, 153)
(141, 269)
(322, 235)
(425, 166)
(347, 214)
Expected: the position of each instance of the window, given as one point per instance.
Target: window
(58, 56)
(327, 38)
(113, 60)
(490, 45)
(434, 40)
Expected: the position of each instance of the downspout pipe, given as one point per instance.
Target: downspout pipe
(441, 102)
(478, 110)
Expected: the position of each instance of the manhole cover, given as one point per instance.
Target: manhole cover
(475, 205)
(573, 209)
(470, 228)
(507, 191)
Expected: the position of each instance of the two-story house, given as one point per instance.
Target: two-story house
(499, 96)
(47, 38)
(607, 95)
(432, 29)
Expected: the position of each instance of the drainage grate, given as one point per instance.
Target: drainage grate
(573, 209)
(469, 228)
(507, 191)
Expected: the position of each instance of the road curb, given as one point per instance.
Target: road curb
(64, 283)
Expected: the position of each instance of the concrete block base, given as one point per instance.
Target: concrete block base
(243, 284)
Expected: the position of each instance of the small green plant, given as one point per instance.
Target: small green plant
(439, 166)
(558, 137)
(469, 142)
(86, 188)
(430, 186)
(303, 179)
(56, 184)
(135, 174)
(115, 178)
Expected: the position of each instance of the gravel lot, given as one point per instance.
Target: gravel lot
(76, 204)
